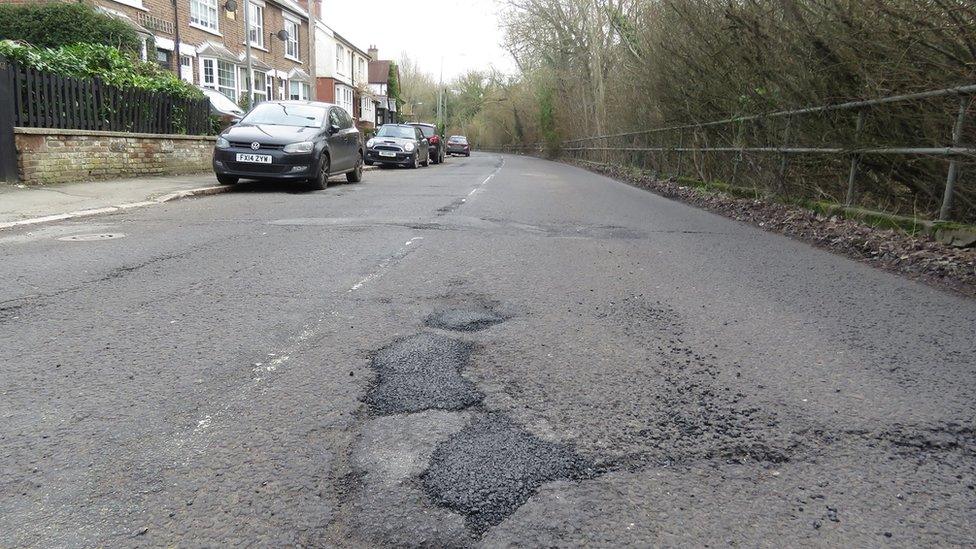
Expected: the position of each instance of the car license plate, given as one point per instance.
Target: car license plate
(389, 154)
(254, 158)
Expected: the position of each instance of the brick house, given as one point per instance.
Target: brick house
(211, 50)
(379, 83)
(341, 71)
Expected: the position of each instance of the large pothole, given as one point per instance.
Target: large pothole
(493, 466)
(422, 372)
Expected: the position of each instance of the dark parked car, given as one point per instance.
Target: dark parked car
(435, 142)
(223, 108)
(458, 144)
(291, 141)
(398, 144)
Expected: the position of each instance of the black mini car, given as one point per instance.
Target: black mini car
(399, 145)
(290, 141)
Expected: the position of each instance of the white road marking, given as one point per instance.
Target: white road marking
(385, 264)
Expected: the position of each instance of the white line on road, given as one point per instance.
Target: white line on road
(385, 264)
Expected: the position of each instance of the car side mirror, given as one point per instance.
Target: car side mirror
(334, 128)
(234, 121)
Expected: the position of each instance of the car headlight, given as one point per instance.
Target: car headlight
(303, 147)
(222, 143)
(409, 147)
(370, 143)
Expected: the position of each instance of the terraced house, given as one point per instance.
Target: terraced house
(204, 41)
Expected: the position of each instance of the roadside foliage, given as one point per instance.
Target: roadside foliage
(597, 67)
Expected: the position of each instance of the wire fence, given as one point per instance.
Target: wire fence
(911, 154)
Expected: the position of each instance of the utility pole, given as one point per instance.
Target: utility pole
(177, 64)
(247, 49)
(440, 99)
(313, 89)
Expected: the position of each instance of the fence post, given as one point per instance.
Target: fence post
(954, 163)
(784, 159)
(855, 159)
(8, 144)
(681, 146)
(739, 140)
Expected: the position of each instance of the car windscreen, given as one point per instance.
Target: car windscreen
(429, 131)
(278, 114)
(458, 139)
(396, 131)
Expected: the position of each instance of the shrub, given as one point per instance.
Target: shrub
(111, 66)
(51, 25)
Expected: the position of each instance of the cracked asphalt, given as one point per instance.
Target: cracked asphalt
(498, 351)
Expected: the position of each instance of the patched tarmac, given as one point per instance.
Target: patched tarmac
(493, 466)
(422, 372)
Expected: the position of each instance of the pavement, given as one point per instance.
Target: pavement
(498, 351)
(34, 204)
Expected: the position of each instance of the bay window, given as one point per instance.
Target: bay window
(299, 91)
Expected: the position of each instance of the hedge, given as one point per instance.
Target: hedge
(111, 66)
(52, 25)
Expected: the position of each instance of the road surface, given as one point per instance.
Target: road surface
(496, 351)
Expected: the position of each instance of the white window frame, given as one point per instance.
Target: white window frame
(203, 62)
(215, 85)
(205, 6)
(257, 24)
(303, 91)
(294, 39)
(340, 59)
(260, 92)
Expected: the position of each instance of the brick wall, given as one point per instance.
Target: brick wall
(57, 156)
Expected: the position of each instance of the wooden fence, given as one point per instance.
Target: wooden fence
(38, 99)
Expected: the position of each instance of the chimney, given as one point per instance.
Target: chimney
(374, 54)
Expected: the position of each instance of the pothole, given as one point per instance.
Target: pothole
(464, 319)
(491, 467)
(91, 237)
(422, 372)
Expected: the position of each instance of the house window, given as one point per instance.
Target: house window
(226, 80)
(299, 91)
(208, 75)
(291, 45)
(162, 58)
(340, 59)
(203, 13)
(260, 87)
(361, 71)
(257, 25)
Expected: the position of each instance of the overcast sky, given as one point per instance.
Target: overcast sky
(465, 32)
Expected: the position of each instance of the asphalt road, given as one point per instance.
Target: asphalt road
(496, 351)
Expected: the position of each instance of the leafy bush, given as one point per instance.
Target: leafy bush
(111, 66)
(51, 25)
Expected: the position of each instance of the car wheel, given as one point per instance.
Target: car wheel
(415, 161)
(426, 163)
(321, 181)
(226, 179)
(356, 175)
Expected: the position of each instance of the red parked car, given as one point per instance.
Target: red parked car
(458, 144)
(434, 141)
